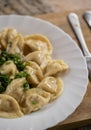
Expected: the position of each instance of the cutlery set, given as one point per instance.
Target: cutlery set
(75, 24)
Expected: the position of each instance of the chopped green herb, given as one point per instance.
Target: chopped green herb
(4, 54)
(26, 63)
(2, 60)
(4, 81)
(10, 43)
(34, 102)
(3, 57)
(2, 89)
(17, 61)
(16, 58)
(21, 75)
(25, 86)
(7, 62)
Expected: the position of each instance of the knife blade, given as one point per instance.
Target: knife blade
(75, 24)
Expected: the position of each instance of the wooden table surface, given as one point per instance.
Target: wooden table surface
(56, 11)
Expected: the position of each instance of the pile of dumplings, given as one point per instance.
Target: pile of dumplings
(42, 72)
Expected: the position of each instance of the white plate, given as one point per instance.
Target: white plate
(75, 80)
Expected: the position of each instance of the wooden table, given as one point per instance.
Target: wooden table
(57, 11)
(82, 115)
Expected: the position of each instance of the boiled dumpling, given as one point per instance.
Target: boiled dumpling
(48, 84)
(16, 45)
(37, 42)
(34, 71)
(11, 34)
(34, 99)
(9, 68)
(15, 88)
(11, 40)
(55, 66)
(32, 77)
(39, 57)
(3, 38)
(52, 85)
(7, 35)
(9, 107)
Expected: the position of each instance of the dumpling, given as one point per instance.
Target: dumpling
(52, 85)
(39, 57)
(15, 88)
(9, 68)
(34, 71)
(3, 38)
(34, 99)
(48, 84)
(9, 107)
(11, 40)
(7, 36)
(55, 66)
(37, 42)
(16, 45)
(11, 34)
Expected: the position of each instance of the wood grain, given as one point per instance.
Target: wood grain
(82, 115)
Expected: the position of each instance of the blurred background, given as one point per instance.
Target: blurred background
(34, 7)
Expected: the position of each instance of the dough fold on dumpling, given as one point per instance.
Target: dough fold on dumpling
(9, 68)
(7, 35)
(3, 38)
(15, 88)
(16, 45)
(52, 85)
(34, 99)
(34, 72)
(55, 66)
(9, 108)
(39, 57)
(11, 40)
(37, 42)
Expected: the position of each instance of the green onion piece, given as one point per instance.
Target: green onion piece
(4, 81)
(34, 102)
(21, 75)
(25, 86)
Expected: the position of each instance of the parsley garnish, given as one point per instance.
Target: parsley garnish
(34, 102)
(16, 58)
(25, 86)
(4, 81)
(21, 75)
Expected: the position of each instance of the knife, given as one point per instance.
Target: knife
(87, 17)
(74, 21)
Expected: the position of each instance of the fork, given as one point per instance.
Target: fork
(74, 21)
